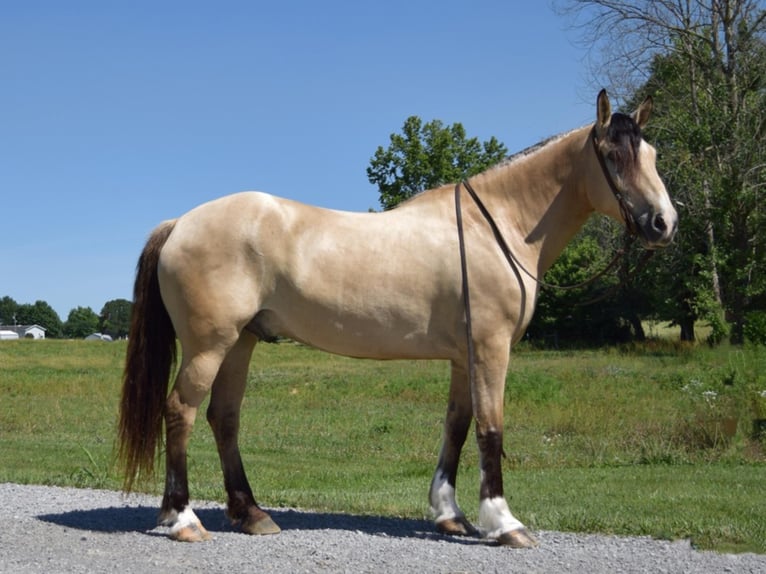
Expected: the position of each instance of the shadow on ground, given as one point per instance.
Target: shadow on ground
(144, 519)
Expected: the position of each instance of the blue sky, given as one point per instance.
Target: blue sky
(117, 115)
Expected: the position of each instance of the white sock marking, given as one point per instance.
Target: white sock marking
(495, 517)
(185, 518)
(443, 502)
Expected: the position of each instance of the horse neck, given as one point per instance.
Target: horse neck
(539, 200)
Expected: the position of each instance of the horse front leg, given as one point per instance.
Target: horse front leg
(223, 414)
(448, 517)
(495, 518)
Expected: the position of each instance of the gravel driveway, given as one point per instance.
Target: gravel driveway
(63, 530)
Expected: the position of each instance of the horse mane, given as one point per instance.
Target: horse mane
(626, 136)
(514, 157)
(531, 150)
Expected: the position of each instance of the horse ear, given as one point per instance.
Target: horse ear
(641, 115)
(603, 113)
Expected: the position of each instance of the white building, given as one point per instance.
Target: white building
(22, 332)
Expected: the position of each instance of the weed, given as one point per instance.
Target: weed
(92, 474)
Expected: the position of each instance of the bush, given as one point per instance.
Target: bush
(755, 327)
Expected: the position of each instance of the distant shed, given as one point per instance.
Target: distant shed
(98, 337)
(24, 331)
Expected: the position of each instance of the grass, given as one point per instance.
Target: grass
(624, 440)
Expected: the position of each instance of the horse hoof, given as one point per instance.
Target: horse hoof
(520, 538)
(457, 526)
(260, 523)
(191, 533)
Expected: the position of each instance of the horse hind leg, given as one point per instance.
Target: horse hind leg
(199, 368)
(223, 414)
(448, 517)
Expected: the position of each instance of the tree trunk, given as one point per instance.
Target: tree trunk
(715, 282)
(687, 329)
(638, 328)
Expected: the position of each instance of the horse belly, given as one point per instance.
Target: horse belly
(379, 334)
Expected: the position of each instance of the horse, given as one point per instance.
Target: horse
(252, 267)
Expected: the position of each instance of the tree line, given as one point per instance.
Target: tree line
(704, 62)
(113, 320)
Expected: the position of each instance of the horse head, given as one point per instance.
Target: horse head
(631, 190)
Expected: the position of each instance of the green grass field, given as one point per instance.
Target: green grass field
(655, 439)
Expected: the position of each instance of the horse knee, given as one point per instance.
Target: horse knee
(179, 415)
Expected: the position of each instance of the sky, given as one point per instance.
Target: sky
(115, 116)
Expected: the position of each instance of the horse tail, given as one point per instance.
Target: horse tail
(150, 358)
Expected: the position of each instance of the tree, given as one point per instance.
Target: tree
(8, 310)
(425, 156)
(705, 61)
(40, 314)
(81, 322)
(564, 316)
(115, 318)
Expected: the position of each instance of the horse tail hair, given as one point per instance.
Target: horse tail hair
(149, 360)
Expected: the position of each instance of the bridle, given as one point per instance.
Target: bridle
(513, 261)
(627, 215)
(631, 232)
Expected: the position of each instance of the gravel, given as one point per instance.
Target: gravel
(66, 530)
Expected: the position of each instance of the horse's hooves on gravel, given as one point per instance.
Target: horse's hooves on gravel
(261, 525)
(520, 538)
(191, 533)
(457, 526)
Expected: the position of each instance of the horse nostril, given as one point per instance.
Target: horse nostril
(659, 223)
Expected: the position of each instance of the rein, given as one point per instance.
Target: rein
(513, 261)
(516, 265)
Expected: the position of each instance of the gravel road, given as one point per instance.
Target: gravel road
(66, 530)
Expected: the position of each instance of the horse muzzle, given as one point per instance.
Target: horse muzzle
(657, 228)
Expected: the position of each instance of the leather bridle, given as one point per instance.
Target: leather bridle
(513, 261)
(627, 215)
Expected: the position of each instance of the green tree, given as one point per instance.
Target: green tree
(40, 314)
(712, 149)
(425, 156)
(8, 310)
(115, 318)
(81, 322)
(705, 63)
(611, 304)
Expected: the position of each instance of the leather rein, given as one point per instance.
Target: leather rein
(513, 261)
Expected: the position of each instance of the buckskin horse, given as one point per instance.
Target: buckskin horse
(434, 278)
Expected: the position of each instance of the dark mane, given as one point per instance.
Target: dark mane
(624, 131)
(625, 135)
